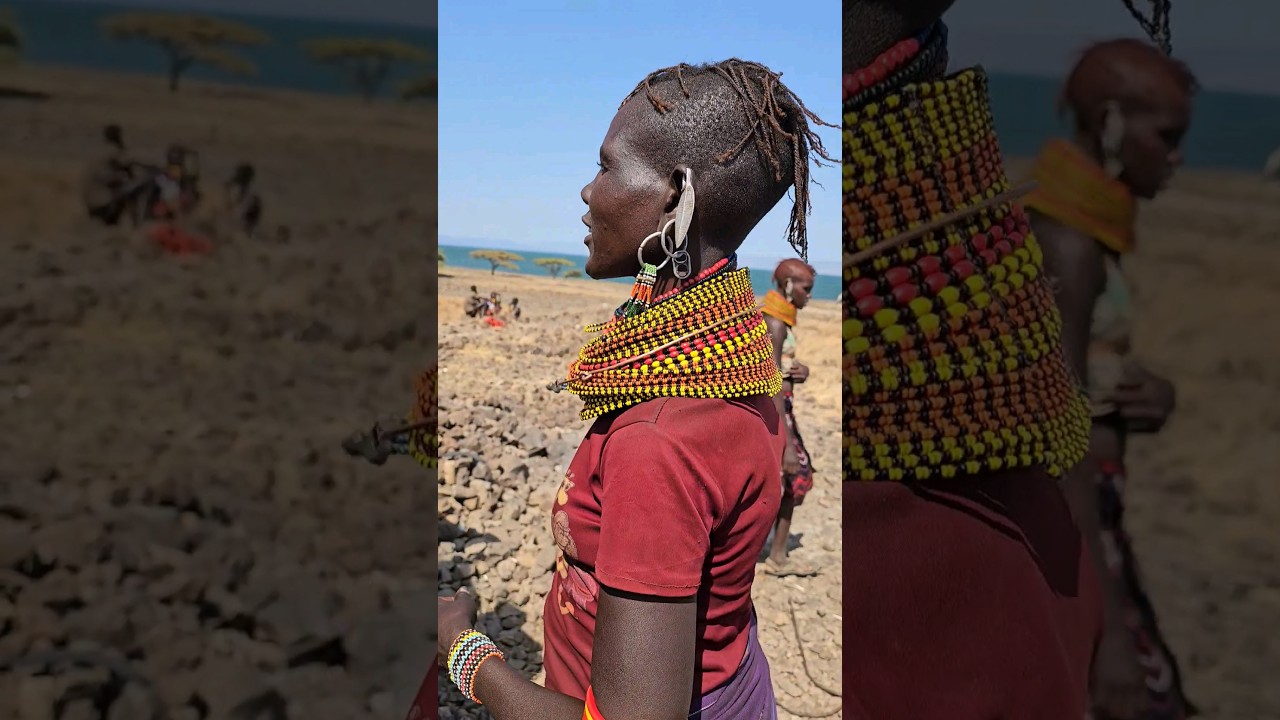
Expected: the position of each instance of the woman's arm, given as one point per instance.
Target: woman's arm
(1075, 266)
(641, 666)
(511, 696)
(778, 334)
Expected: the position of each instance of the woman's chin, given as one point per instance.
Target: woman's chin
(595, 272)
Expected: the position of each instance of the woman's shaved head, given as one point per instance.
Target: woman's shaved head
(1132, 108)
(1130, 72)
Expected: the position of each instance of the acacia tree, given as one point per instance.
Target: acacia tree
(366, 62)
(497, 259)
(10, 38)
(189, 40)
(423, 88)
(553, 266)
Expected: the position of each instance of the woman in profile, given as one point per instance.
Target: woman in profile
(1131, 107)
(663, 511)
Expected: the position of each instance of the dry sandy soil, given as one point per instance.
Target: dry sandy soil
(506, 442)
(173, 496)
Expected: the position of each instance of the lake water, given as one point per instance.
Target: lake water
(826, 287)
(71, 34)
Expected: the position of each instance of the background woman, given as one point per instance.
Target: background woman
(794, 285)
(664, 508)
(1132, 106)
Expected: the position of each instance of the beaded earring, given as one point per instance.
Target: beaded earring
(642, 291)
(788, 290)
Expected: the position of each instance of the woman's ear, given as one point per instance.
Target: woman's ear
(675, 185)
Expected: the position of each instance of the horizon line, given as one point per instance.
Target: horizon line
(510, 246)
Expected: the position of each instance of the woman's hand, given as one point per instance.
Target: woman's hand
(799, 373)
(1145, 400)
(455, 615)
(1119, 682)
(790, 461)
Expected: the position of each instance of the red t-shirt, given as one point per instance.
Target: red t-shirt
(672, 497)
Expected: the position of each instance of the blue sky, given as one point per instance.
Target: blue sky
(418, 13)
(1229, 49)
(527, 95)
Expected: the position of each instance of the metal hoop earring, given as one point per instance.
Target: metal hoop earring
(640, 250)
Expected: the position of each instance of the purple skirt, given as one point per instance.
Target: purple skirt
(748, 695)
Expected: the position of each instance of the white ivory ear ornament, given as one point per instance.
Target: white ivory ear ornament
(1112, 139)
(679, 255)
(684, 212)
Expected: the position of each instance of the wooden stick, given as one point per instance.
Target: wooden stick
(937, 224)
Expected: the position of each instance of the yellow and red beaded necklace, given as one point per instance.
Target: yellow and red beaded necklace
(777, 306)
(953, 363)
(705, 340)
(1074, 190)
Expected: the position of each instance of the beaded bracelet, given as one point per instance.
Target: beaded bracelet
(466, 655)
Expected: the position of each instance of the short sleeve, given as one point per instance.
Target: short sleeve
(658, 507)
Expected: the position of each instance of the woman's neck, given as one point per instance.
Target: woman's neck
(1086, 143)
(667, 282)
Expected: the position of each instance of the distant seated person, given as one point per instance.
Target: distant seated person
(493, 311)
(515, 308)
(173, 196)
(176, 187)
(475, 304)
(111, 184)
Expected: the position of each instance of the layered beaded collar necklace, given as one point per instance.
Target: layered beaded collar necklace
(953, 364)
(706, 339)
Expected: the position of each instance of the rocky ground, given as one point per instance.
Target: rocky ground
(505, 442)
(181, 535)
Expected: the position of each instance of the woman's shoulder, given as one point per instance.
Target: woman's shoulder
(703, 419)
